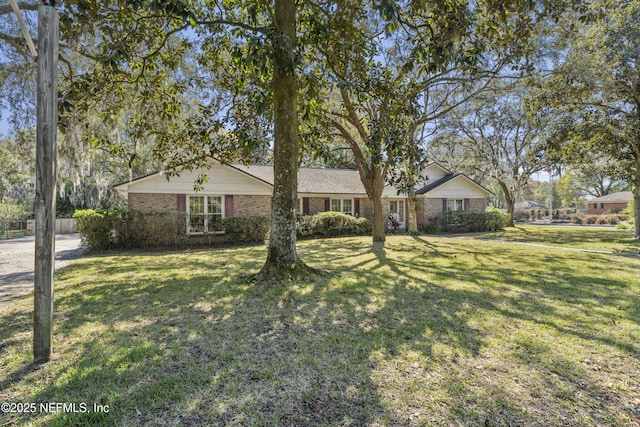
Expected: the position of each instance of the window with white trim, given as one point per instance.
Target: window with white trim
(396, 208)
(205, 213)
(455, 204)
(342, 205)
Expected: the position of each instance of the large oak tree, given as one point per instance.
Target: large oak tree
(415, 62)
(591, 99)
(137, 46)
(495, 138)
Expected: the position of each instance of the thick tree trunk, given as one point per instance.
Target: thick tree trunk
(412, 222)
(636, 200)
(373, 181)
(282, 259)
(508, 198)
(379, 217)
(374, 184)
(636, 209)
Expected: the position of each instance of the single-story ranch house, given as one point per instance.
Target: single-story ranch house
(611, 203)
(238, 190)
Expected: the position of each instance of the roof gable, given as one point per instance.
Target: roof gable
(221, 179)
(436, 169)
(448, 180)
(436, 184)
(258, 179)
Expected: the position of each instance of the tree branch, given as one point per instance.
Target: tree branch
(6, 9)
(353, 116)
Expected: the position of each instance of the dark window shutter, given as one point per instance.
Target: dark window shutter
(356, 207)
(182, 202)
(182, 207)
(305, 205)
(444, 205)
(467, 203)
(327, 205)
(228, 206)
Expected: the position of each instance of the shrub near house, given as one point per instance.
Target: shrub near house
(245, 190)
(110, 229)
(470, 221)
(610, 219)
(330, 224)
(113, 229)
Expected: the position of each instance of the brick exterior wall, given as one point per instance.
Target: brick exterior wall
(143, 202)
(477, 205)
(168, 226)
(316, 204)
(366, 207)
(420, 218)
(251, 205)
(608, 208)
(163, 229)
(432, 208)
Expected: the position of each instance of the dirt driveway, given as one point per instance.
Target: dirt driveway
(17, 261)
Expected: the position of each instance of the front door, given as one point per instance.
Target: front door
(396, 209)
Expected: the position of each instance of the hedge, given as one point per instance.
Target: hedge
(97, 227)
(472, 221)
(116, 229)
(331, 224)
(111, 229)
(611, 219)
(247, 229)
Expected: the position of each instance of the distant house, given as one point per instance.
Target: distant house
(238, 190)
(614, 202)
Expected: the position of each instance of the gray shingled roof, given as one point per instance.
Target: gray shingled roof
(621, 197)
(314, 181)
(438, 183)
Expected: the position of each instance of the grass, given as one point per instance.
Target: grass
(590, 238)
(427, 331)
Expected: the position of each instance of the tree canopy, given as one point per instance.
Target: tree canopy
(415, 63)
(494, 136)
(591, 99)
(222, 79)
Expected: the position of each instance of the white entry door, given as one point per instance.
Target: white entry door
(396, 208)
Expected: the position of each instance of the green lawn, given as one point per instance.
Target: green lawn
(428, 331)
(583, 237)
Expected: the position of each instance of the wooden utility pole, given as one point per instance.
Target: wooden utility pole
(45, 203)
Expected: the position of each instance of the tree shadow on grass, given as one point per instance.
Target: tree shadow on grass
(402, 339)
